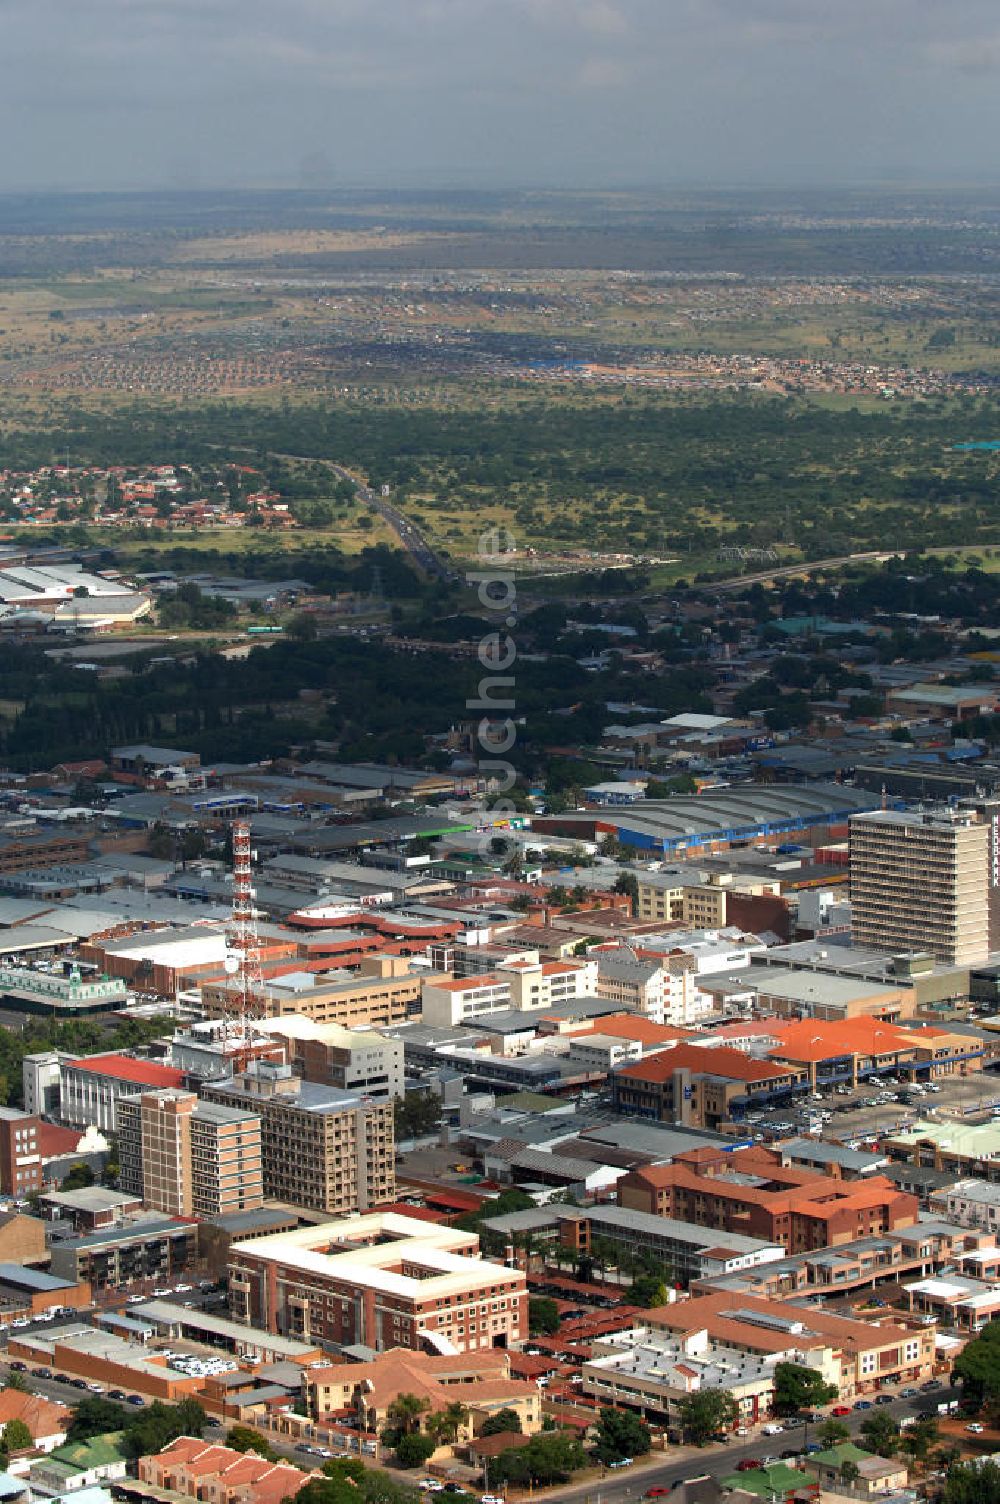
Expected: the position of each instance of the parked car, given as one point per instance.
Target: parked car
(862, 1404)
(656, 1492)
(909, 1393)
(748, 1465)
(841, 1410)
(974, 1427)
(135, 1399)
(883, 1399)
(19, 1367)
(622, 1462)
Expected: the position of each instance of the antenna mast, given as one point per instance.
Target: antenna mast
(244, 947)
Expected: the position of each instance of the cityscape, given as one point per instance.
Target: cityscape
(500, 753)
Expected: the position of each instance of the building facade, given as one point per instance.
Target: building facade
(189, 1158)
(329, 1150)
(920, 882)
(384, 1281)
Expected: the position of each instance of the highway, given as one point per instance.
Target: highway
(806, 566)
(409, 535)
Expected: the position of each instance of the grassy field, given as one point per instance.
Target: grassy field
(429, 342)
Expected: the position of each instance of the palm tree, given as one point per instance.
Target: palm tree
(444, 1425)
(405, 1411)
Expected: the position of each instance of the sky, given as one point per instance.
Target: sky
(121, 94)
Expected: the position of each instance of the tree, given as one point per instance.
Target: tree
(849, 1471)
(95, 1416)
(417, 1114)
(161, 1424)
(500, 1421)
(543, 1316)
(404, 1412)
(414, 1448)
(881, 1433)
(79, 1178)
(620, 1434)
(648, 1290)
(705, 1412)
(833, 1431)
(977, 1366)
(549, 1457)
(302, 627)
(628, 883)
(16, 1437)
(919, 1438)
(18, 1382)
(969, 1483)
(799, 1387)
(246, 1439)
(444, 1425)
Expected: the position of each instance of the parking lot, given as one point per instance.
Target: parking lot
(875, 1109)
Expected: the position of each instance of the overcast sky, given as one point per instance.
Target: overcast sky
(152, 93)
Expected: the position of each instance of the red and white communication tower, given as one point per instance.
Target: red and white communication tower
(243, 961)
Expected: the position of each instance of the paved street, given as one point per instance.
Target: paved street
(678, 1463)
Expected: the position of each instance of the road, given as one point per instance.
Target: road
(628, 1485)
(806, 566)
(409, 535)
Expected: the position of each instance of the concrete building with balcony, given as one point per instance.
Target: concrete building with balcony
(384, 1281)
(920, 882)
(189, 1158)
(325, 1149)
(152, 1247)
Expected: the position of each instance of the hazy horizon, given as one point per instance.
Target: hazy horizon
(125, 95)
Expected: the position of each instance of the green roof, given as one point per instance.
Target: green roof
(97, 1452)
(844, 1451)
(779, 1478)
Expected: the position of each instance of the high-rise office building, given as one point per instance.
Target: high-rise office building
(919, 882)
(189, 1158)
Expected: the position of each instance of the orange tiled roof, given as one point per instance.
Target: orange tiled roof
(705, 1061)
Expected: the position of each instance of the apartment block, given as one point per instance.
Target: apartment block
(189, 1158)
(20, 1154)
(920, 882)
(329, 1150)
(751, 1191)
(661, 989)
(526, 985)
(157, 1248)
(364, 1392)
(385, 1281)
